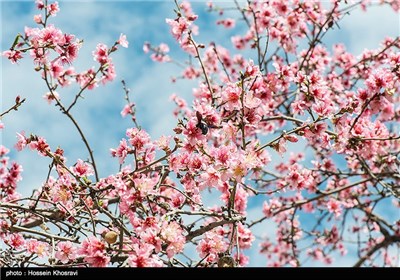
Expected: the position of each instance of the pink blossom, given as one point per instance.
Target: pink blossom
(11, 178)
(40, 145)
(93, 251)
(66, 252)
(343, 109)
(212, 244)
(51, 96)
(251, 101)
(160, 57)
(251, 69)
(151, 237)
(68, 49)
(101, 54)
(178, 26)
(163, 142)
(187, 46)
(61, 193)
(3, 151)
(192, 132)
(39, 248)
(21, 141)
(56, 69)
(238, 42)
(127, 110)
(294, 178)
(290, 138)
(83, 169)
(143, 257)
(317, 254)
(172, 233)
(180, 103)
(144, 185)
(239, 171)
(40, 4)
(64, 78)
(15, 240)
(298, 107)
(98, 259)
(121, 152)
(138, 138)
(231, 96)
(280, 146)
(50, 35)
(271, 206)
(380, 79)
(186, 7)
(243, 259)
(146, 47)
(334, 207)
(163, 48)
(228, 22)
(37, 18)
(12, 55)
(245, 236)
(108, 72)
(210, 178)
(53, 9)
(87, 79)
(123, 41)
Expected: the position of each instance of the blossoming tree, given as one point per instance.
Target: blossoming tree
(344, 107)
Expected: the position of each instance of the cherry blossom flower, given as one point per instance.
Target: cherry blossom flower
(39, 248)
(37, 18)
(66, 252)
(12, 55)
(123, 41)
(143, 257)
(98, 259)
(101, 54)
(21, 141)
(15, 240)
(51, 96)
(121, 152)
(40, 145)
(211, 245)
(228, 22)
(82, 168)
(39, 4)
(53, 9)
(334, 207)
(178, 26)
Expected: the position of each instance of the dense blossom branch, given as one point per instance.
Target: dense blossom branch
(310, 133)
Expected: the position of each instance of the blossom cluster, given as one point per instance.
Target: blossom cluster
(301, 141)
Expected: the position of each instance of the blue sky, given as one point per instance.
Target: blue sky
(99, 113)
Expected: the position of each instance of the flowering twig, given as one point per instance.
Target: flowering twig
(18, 102)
